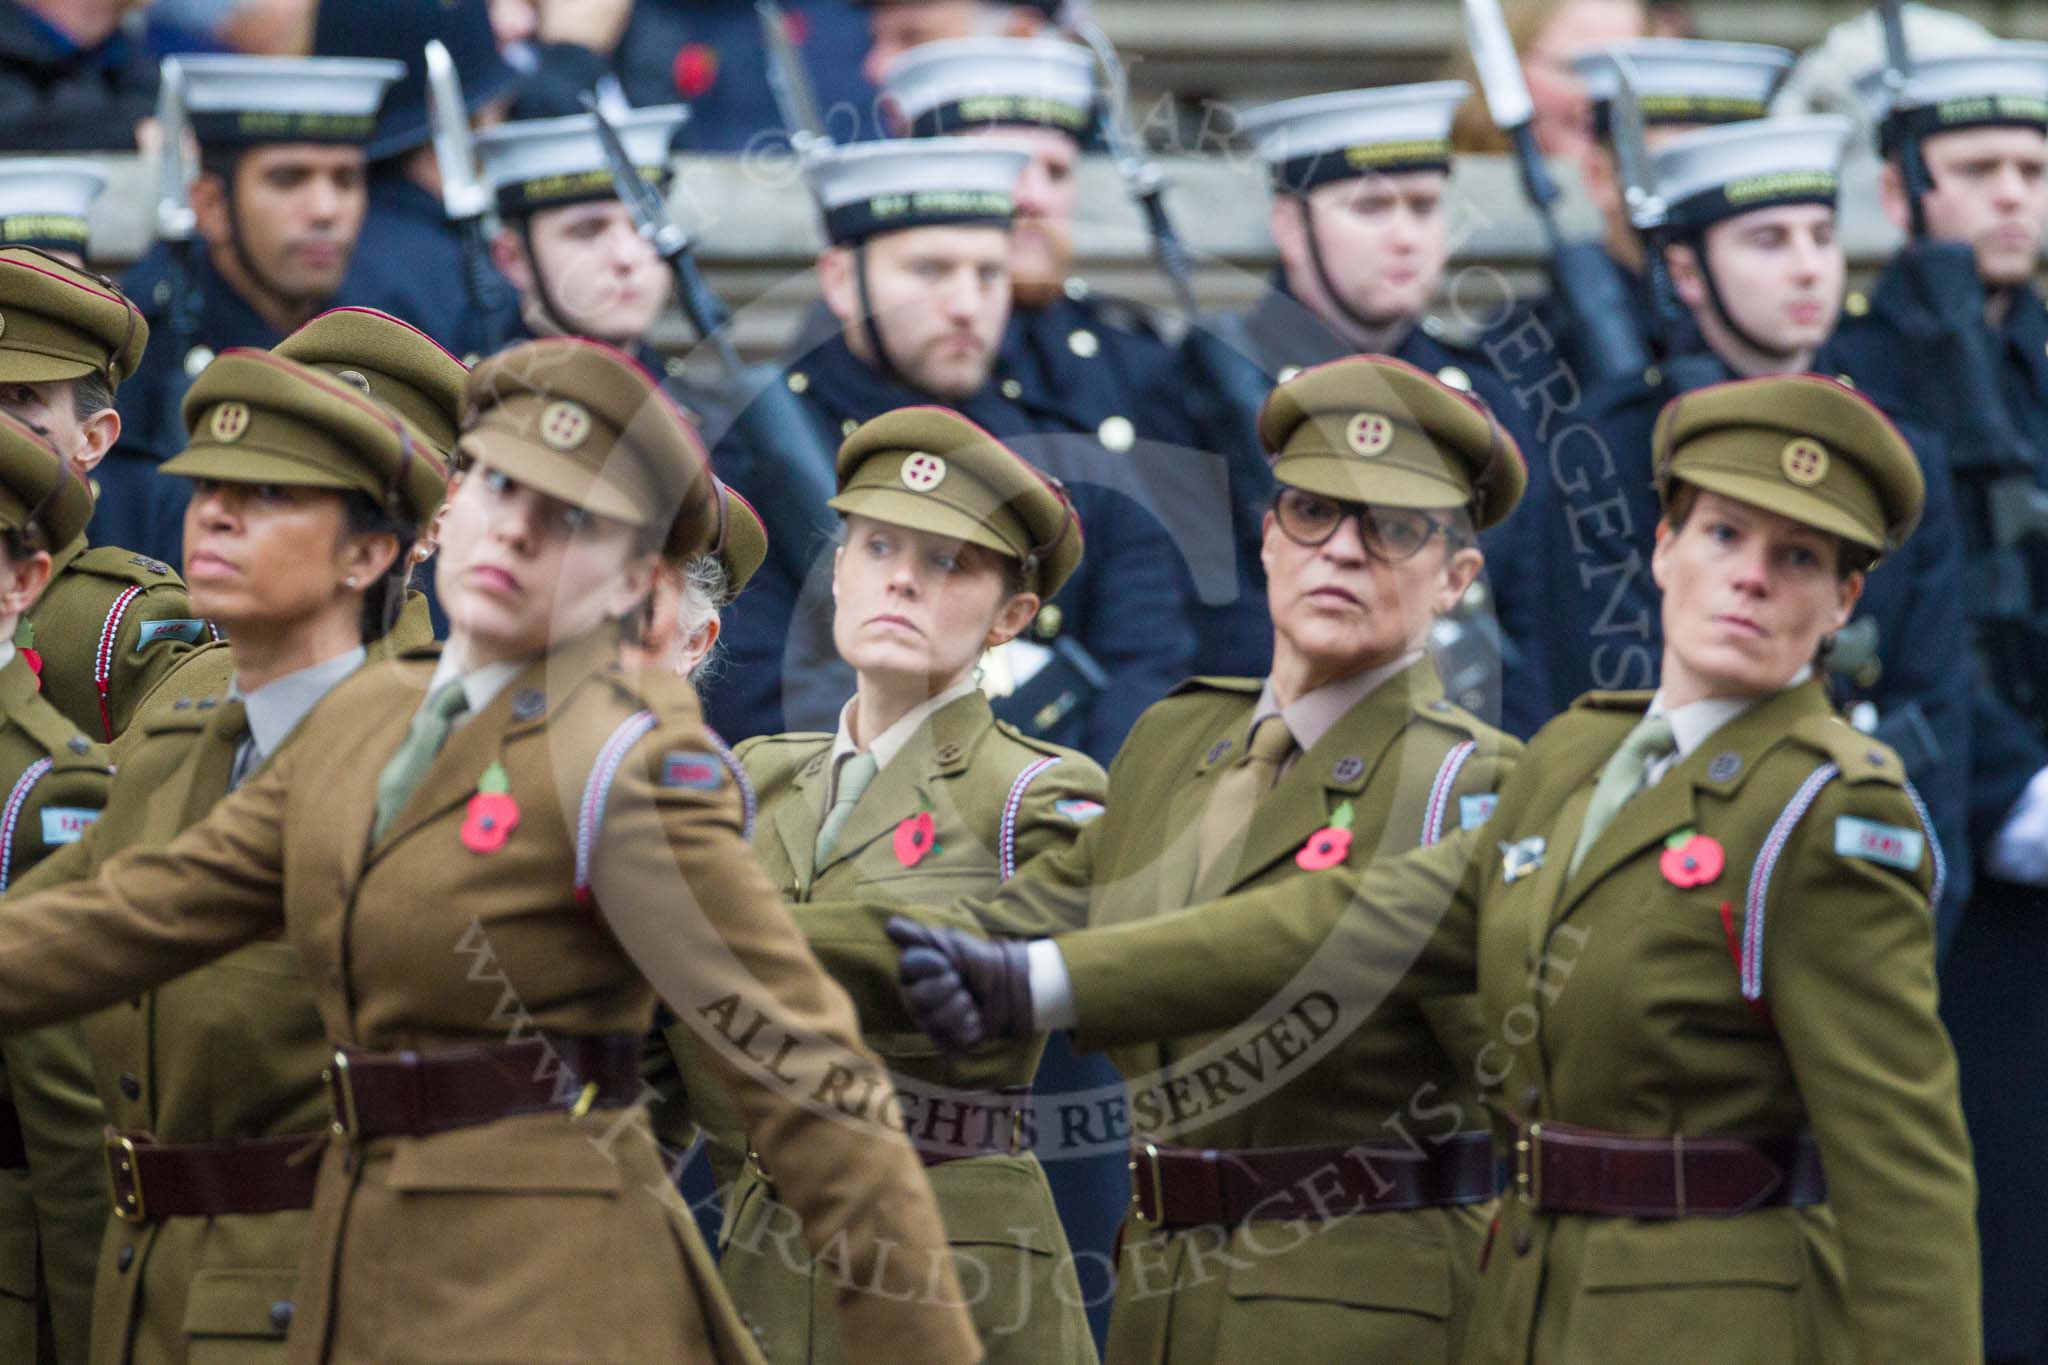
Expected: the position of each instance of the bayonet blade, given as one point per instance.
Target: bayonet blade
(1646, 210)
(788, 84)
(1500, 70)
(463, 193)
(1898, 55)
(175, 221)
(650, 214)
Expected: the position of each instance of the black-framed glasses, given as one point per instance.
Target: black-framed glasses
(1389, 534)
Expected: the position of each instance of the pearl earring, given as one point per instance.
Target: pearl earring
(352, 581)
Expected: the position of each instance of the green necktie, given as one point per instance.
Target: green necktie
(409, 765)
(1236, 798)
(1622, 778)
(854, 775)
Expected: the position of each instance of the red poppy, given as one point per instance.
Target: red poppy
(1325, 848)
(1695, 861)
(915, 838)
(34, 661)
(696, 70)
(492, 818)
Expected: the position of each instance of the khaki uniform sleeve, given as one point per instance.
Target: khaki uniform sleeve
(681, 892)
(1349, 934)
(150, 914)
(63, 1126)
(1849, 977)
(162, 616)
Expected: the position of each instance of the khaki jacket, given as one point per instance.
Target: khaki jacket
(111, 624)
(545, 1236)
(1384, 1287)
(1615, 1000)
(998, 799)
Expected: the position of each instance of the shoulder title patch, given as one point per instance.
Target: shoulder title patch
(1890, 845)
(66, 824)
(153, 632)
(692, 771)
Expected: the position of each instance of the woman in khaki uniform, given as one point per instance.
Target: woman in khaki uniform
(1699, 922)
(1308, 1188)
(951, 543)
(303, 558)
(55, 781)
(482, 862)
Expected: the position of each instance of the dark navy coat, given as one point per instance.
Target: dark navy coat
(1124, 605)
(136, 509)
(1991, 998)
(408, 263)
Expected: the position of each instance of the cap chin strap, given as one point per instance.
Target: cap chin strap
(1698, 242)
(869, 325)
(1379, 335)
(543, 295)
(247, 263)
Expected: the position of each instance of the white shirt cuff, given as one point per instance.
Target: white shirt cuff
(1052, 990)
(2019, 851)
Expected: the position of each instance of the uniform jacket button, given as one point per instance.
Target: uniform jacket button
(124, 1258)
(1523, 1240)
(131, 1086)
(281, 1314)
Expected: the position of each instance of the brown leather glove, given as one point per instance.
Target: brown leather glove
(962, 990)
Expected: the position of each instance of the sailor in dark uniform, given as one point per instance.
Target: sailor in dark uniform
(1982, 122)
(917, 277)
(280, 200)
(409, 260)
(1759, 269)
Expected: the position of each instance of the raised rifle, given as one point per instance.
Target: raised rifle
(177, 227)
(465, 198)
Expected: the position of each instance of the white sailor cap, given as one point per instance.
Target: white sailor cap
(546, 162)
(239, 101)
(960, 83)
(45, 202)
(1710, 174)
(875, 187)
(1316, 139)
(2005, 85)
(1685, 80)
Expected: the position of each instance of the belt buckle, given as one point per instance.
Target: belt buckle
(1529, 1164)
(128, 1202)
(1148, 1154)
(342, 1092)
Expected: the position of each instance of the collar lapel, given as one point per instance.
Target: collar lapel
(936, 750)
(798, 817)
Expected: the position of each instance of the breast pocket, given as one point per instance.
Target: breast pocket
(239, 1317)
(1648, 1283)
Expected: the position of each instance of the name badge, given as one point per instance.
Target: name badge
(66, 824)
(1474, 811)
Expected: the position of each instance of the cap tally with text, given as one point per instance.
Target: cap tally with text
(40, 489)
(47, 202)
(393, 362)
(1316, 139)
(961, 83)
(60, 322)
(546, 162)
(931, 469)
(1710, 174)
(875, 187)
(1685, 80)
(584, 423)
(1803, 446)
(1373, 429)
(242, 101)
(2003, 86)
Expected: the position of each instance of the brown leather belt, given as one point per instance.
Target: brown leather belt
(412, 1094)
(13, 1146)
(1180, 1187)
(1561, 1169)
(956, 1125)
(204, 1179)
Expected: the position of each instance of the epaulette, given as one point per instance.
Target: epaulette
(205, 672)
(1447, 713)
(1860, 757)
(125, 566)
(772, 760)
(1032, 742)
(1614, 701)
(1248, 686)
(68, 749)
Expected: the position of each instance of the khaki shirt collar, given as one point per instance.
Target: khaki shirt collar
(1312, 715)
(890, 742)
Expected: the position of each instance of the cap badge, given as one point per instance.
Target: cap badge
(921, 473)
(1369, 433)
(353, 378)
(564, 424)
(1805, 462)
(230, 420)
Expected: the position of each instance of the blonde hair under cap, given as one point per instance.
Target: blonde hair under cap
(930, 469)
